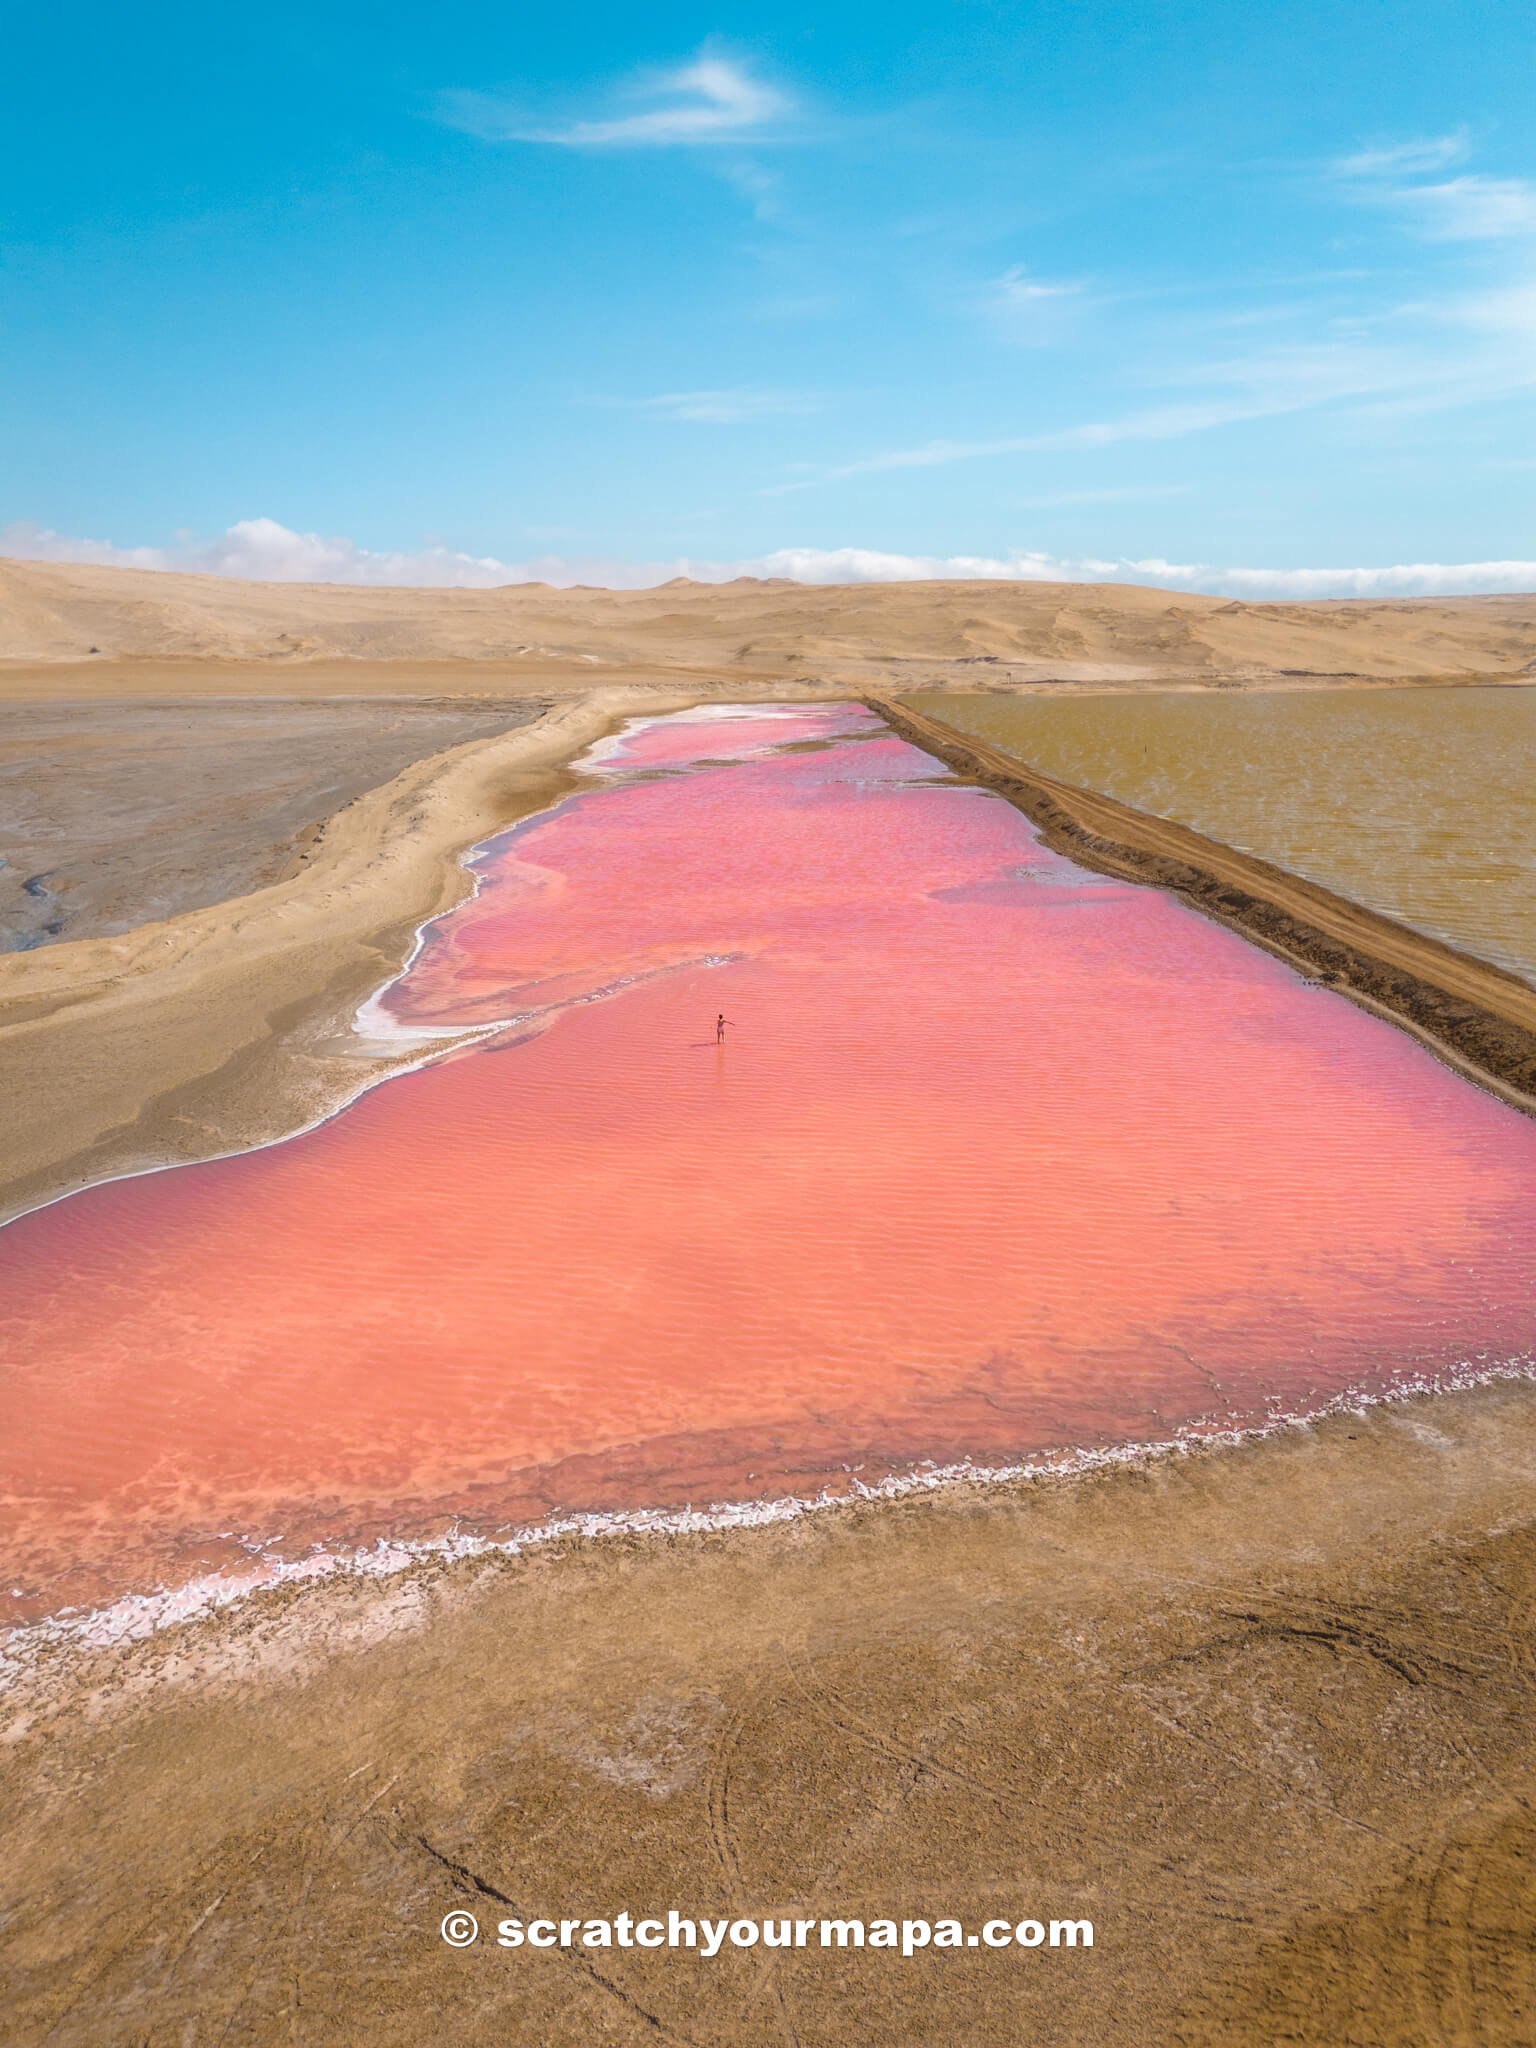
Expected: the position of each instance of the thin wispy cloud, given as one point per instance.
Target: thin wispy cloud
(263, 550)
(1508, 312)
(1354, 372)
(719, 408)
(760, 188)
(1473, 209)
(1406, 159)
(1106, 494)
(711, 99)
(1016, 287)
(1155, 423)
(1038, 311)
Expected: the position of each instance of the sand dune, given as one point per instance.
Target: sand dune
(968, 632)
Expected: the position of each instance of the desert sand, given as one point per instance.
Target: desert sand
(1263, 1713)
(121, 629)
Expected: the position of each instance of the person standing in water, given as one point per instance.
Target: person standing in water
(720, 1023)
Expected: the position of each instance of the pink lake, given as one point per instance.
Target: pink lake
(999, 1157)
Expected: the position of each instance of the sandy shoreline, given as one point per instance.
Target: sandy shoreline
(459, 1539)
(1264, 1714)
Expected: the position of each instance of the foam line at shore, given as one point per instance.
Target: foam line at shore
(137, 1616)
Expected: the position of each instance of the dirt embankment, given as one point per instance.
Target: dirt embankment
(1476, 1017)
(1266, 1716)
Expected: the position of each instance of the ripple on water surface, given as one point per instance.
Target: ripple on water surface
(999, 1155)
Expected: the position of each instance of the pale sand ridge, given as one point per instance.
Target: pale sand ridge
(113, 621)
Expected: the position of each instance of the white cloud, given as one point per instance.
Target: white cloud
(1413, 372)
(1156, 423)
(1473, 209)
(758, 187)
(1017, 288)
(1037, 311)
(721, 407)
(264, 551)
(1508, 313)
(1402, 579)
(1106, 494)
(1418, 579)
(711, 99)
(1406, 159)
(871, 565)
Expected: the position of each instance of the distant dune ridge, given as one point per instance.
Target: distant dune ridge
(961, 632)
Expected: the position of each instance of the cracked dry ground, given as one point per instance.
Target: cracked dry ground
(1265, 1717)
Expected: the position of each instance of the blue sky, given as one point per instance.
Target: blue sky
(1236, 297)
